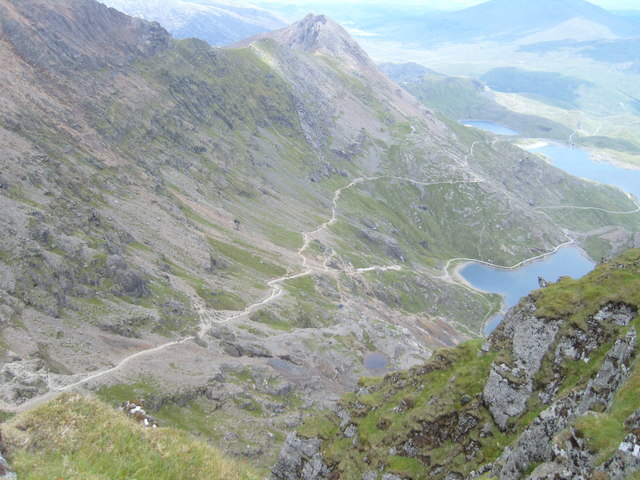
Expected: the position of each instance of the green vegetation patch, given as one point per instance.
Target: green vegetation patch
(549, 85)
(466, 98)
(75, 437)
(248, 259)
(614, 281)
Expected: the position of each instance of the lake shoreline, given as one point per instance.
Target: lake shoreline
(513, 282)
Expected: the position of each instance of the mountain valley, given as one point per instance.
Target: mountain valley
(229, 233)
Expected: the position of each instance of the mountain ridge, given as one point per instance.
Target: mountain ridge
(227, 233)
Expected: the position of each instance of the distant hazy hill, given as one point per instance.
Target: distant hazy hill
(218, 23)
(467, 98)
(509, 20)
(406, 72)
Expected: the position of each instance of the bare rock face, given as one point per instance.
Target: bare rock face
(633, 422)
(509, 386)
(300, 459)
(6, 473)
(616, 313)
(625, 461)
(536, 444)
(22, 380)
(130, 282)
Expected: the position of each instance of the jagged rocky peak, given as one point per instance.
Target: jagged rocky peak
(76, 34)
(319, 34)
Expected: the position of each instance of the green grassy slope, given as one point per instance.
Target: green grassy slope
(76, 437)
(464, 98)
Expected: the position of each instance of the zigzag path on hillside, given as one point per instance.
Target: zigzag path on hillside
(276, 284)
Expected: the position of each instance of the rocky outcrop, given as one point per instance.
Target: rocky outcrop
(617, 313)
(86, 35)
(535, 443)
(130, 282)
(300, 459)
(625, 462)
(21, 380)
(6, 473)
(509, 386)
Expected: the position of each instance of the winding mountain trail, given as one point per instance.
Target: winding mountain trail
(574, 207)
(207, 319)
(396, 268)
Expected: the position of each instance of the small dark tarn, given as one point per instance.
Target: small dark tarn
(375, 360)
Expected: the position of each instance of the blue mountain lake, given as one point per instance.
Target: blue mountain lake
(577, 162)
(571, 261)
(516, 283)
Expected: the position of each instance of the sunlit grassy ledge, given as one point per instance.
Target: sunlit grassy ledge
(79, 437)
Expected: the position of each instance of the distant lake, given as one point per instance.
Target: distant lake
(514, 284)
(577, 162)
(489, 127)
(571, 261)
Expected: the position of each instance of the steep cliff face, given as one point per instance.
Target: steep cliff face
(552, 393)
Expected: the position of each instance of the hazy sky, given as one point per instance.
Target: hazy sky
(442, 4)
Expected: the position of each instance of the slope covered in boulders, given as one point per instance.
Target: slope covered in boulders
(552, 393)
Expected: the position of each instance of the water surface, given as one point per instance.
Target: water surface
(571, 261)
(375, 360)
(516, 283)
(577, 162)
(489, 127)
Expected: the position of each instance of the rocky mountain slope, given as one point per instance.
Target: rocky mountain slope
(231, 233)
(552, 393)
